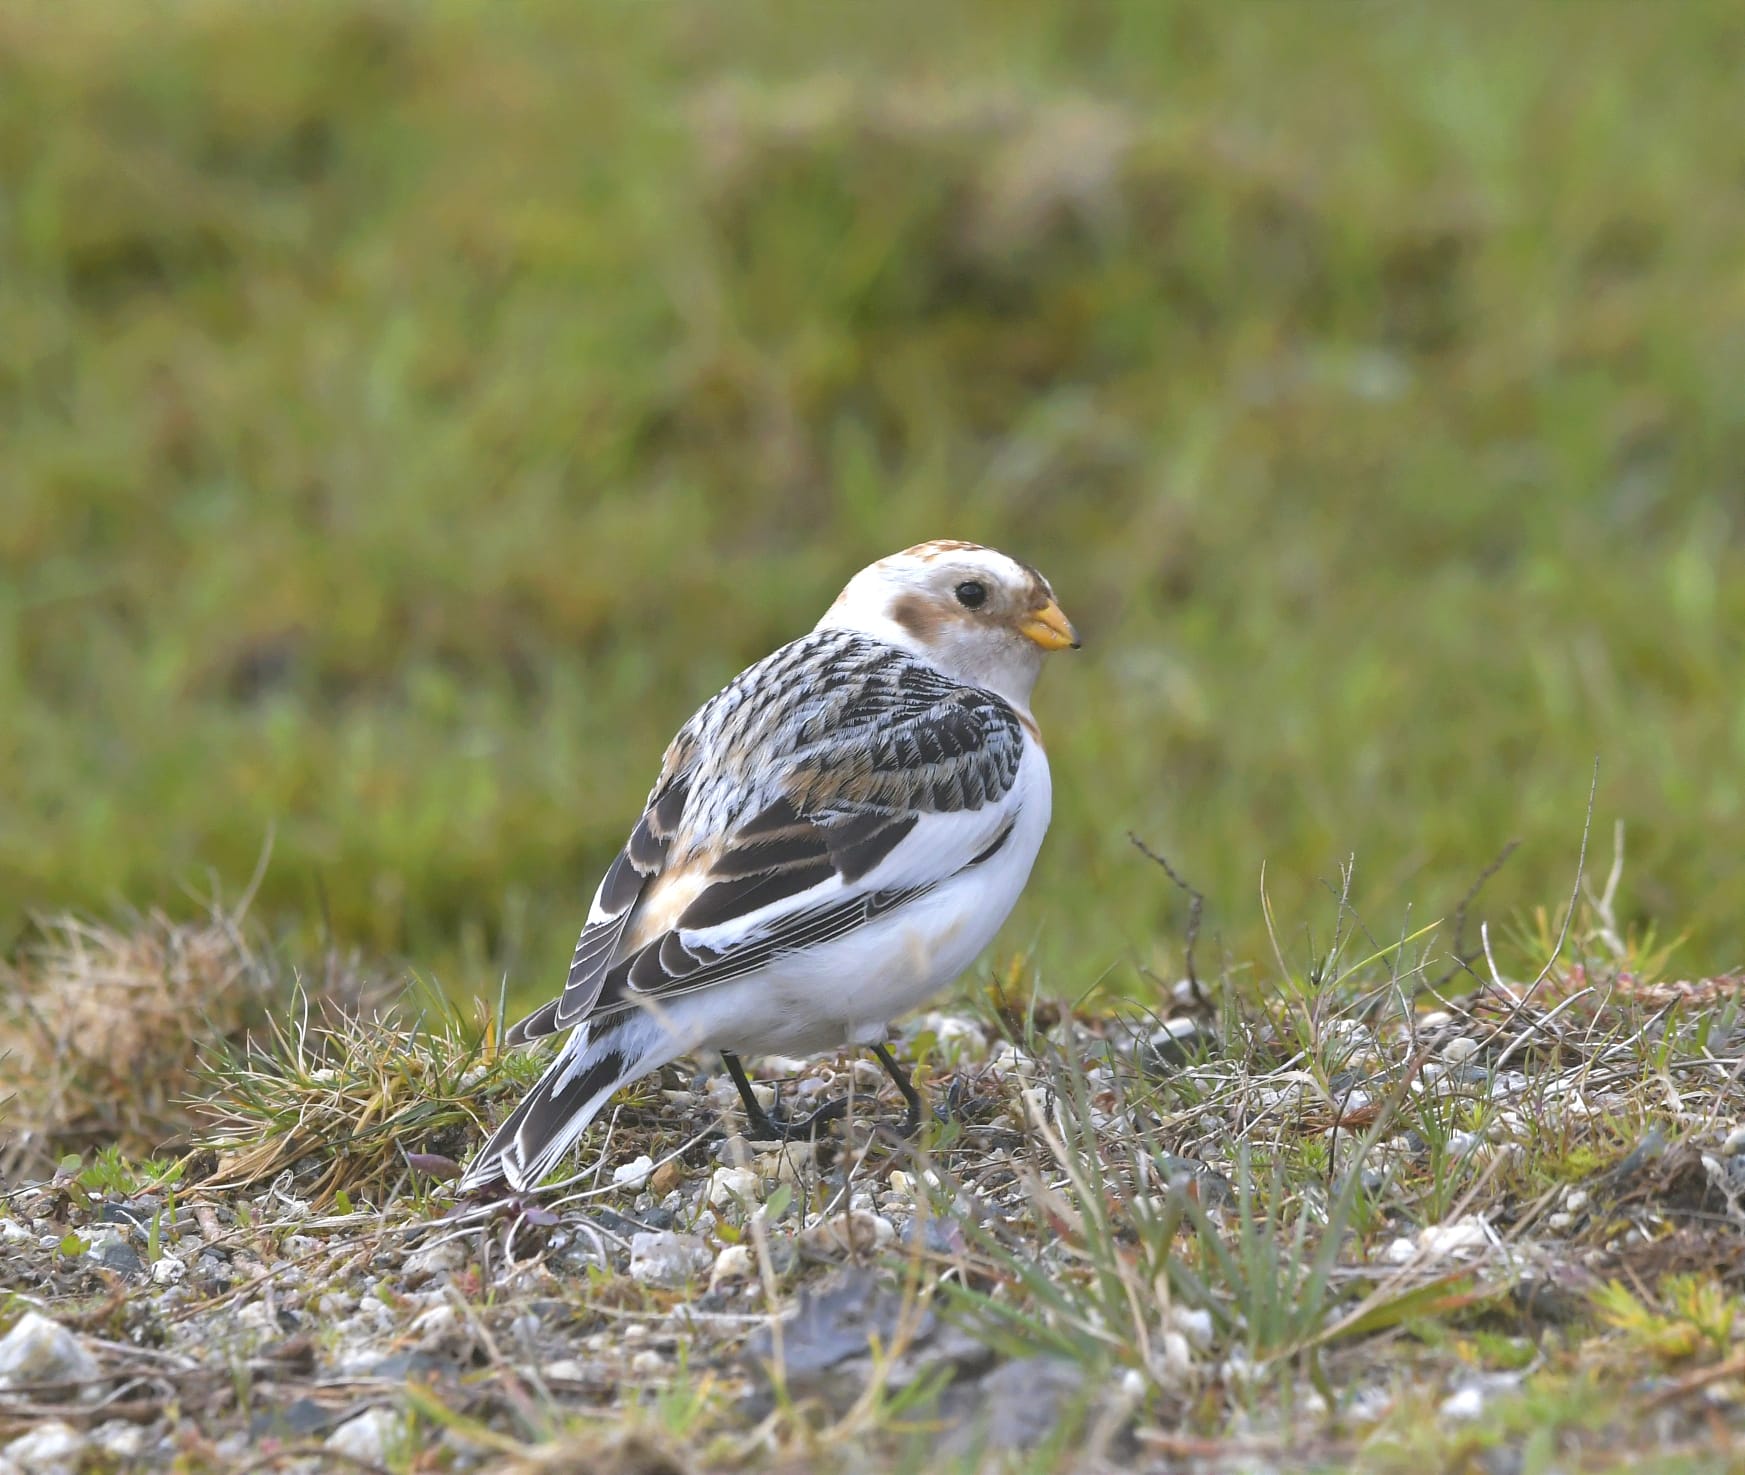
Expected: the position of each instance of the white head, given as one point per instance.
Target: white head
(973, 612)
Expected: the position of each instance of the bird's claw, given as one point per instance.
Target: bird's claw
(762, 1127)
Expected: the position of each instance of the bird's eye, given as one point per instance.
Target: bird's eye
(972, 593)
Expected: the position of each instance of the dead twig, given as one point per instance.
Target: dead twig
(1463, 960)
(1196, 905)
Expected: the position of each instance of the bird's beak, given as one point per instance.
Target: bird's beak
(1049, 628)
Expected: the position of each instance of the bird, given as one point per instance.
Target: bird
(834, 837)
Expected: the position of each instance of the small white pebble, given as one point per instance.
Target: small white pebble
(1559, 1221)
(957, 1038)
(1460, 1048)
(1735, 1141)
(732, 1185)
(120, 1439)
(633, 1175)
(436, 1259)
(367, 1438)
(436, 1323)
(256, 1316)
(167, 1271)
(1575, 1200)
(788, 1163)
(665, 1259)
(1468, 1403)
(855, 1232)
(1194, 1324)
(50, 1447)
(735, 1262)
(373, 1315)
(1401, 1252)
(1465, 1234)
(1176, 1361)
(647, 1361)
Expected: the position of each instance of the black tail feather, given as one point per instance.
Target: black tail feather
(549, 1119)
(536, 1026)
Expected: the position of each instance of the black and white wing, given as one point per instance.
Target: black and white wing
(829, 783)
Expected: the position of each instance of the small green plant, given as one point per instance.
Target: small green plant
(1696, 1316)
(111, 1172)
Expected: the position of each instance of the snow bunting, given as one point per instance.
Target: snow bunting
(833, 838)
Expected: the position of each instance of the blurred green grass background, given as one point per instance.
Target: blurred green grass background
(410, 412)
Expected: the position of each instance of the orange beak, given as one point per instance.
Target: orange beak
(1050, 628)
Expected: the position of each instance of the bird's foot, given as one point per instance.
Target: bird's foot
(761, 1126)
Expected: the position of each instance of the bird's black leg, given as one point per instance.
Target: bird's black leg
(911, 1122)
(760, 1126)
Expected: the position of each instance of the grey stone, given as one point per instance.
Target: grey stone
(368, 1437)
(1017, 1406)
(52, 1448)
(38, 1350)
(1212, 1186)
(668, 1259)
(115, 1253)
(120, 1439)
(825, 1347)
(832, 1326)
(1175, 1044)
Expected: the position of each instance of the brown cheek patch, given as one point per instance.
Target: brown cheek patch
(920, 616)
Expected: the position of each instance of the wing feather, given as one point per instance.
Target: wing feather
(835, 780)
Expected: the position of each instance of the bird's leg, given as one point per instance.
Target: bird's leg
(760, 1126)
(911, 1122)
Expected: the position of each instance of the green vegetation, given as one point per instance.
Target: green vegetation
(1341, 1231)
(409, 412)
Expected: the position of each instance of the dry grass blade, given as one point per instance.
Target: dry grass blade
(101, 1028)
(343, 1100)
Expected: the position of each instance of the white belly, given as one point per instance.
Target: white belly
(847, 991)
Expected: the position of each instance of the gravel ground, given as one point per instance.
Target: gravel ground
(1089, 1268)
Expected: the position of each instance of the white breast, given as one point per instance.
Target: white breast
(848, 990)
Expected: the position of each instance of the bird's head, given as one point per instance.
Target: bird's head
(977, 614)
